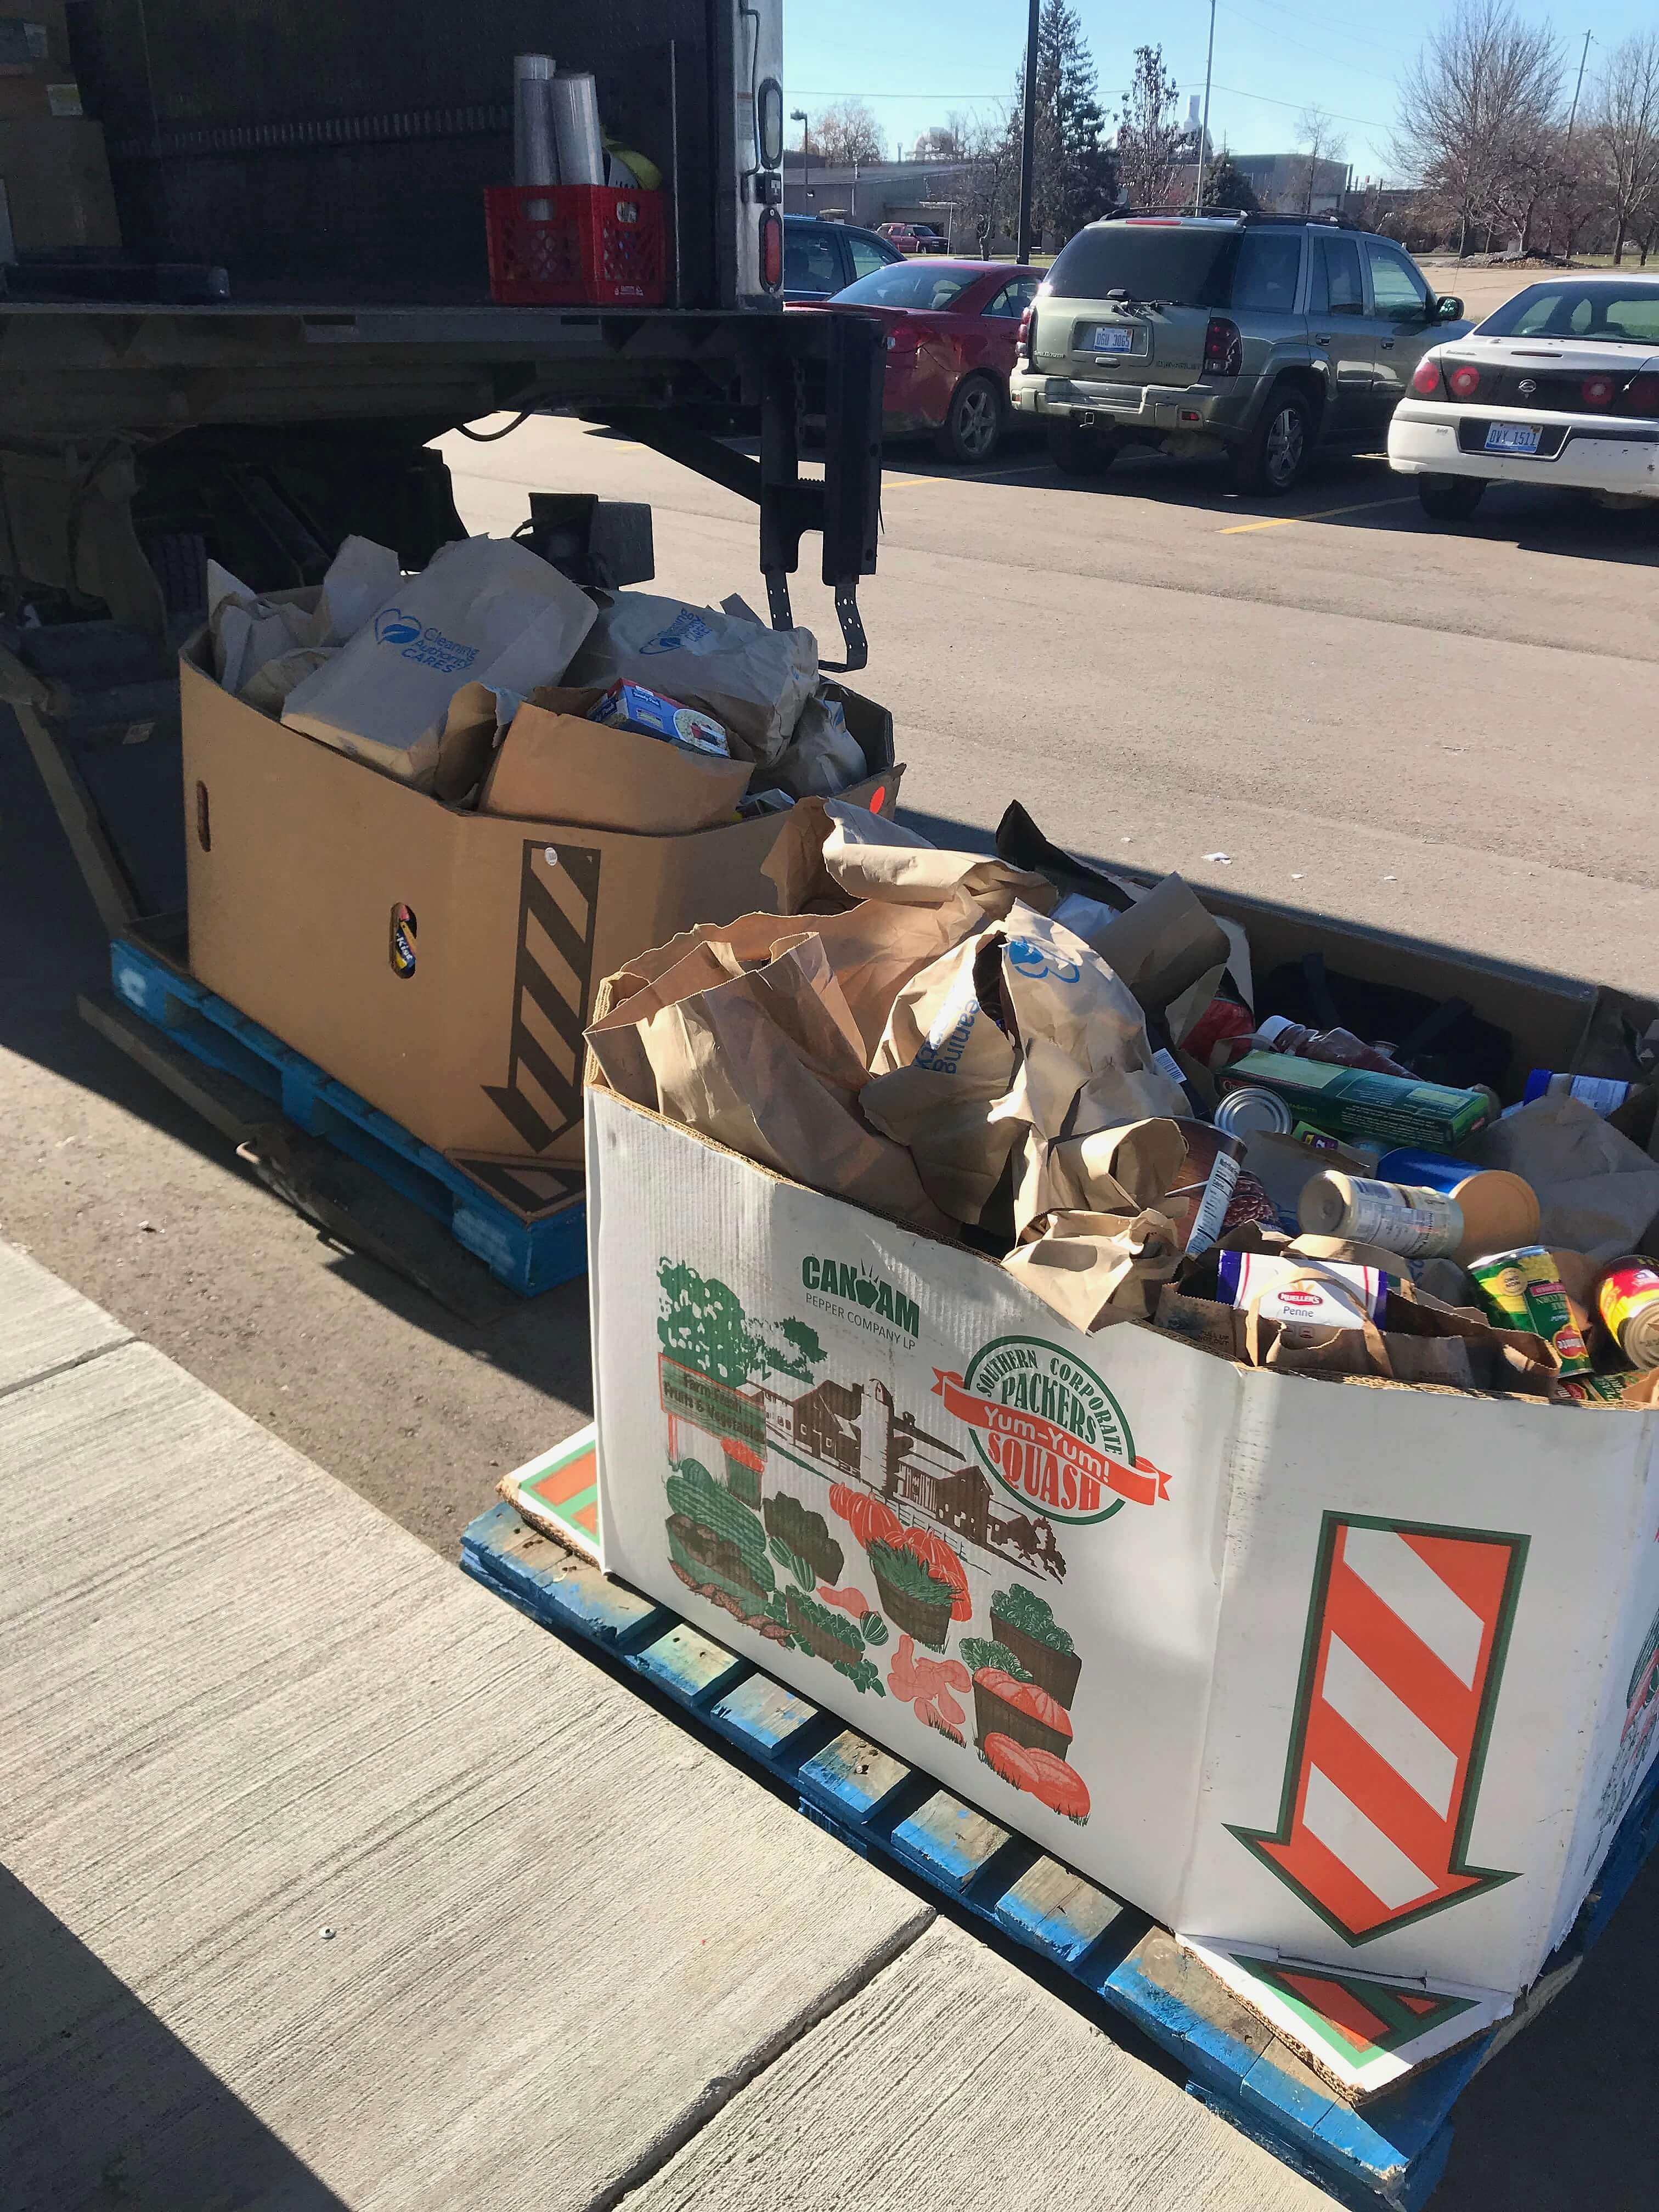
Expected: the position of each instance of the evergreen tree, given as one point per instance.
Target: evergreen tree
(1226, 186)
(1073, 179)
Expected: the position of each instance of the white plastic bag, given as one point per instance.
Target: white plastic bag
(753, 679)
(485, 612)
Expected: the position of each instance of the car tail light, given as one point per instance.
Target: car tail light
(1224, 348)
(1642, 396)
(1464, 381)
(1027, 335)
(771, 249)
(1427, 382)
(1596, 391)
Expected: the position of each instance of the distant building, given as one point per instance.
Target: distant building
(1280, 182)
(935, 193)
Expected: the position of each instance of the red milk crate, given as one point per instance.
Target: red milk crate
(594, 246)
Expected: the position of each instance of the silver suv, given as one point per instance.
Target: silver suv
(1265, 337)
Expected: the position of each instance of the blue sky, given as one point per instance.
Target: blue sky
(912, 60)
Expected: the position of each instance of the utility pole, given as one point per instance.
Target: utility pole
(1572, 111)
(1027, 140)
(1204, 128)
(799, 115)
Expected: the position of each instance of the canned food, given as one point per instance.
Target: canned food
(1523, 1290)
(1597, 1389)
(1203, 1190)
(1628, 1299)
(1249, 1110)
(1415, 1223)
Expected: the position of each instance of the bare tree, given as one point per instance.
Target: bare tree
(943, 143)
(1149, 132)
(1321, 142)
(1484, 84)
(991, 198)
(1625, 133)
(846, 133)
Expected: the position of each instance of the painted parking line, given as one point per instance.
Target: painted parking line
(976, 475)
(1325, 514)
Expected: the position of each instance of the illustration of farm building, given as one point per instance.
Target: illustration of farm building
(855, 1428)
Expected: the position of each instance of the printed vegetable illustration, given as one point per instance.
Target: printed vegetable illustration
(927, 1685)
(978, 1652)
(744, 1469)
(918, 1600)
(870, 1520)
(1045, 1777)
(1023, 1623)
(826, 1635)
(1005, 1706)
(875, 1629)
(850, 1599)
(942, 1563)
(801, 1541)
(715, 1544)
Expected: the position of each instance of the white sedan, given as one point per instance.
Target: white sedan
(1559, 386)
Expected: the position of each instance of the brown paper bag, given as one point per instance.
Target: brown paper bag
(769, 1063)
(1093, 1269)
(829, 854)
(1164, 946)
(1598, 1192)
(1123, 1168)
(941, 1064)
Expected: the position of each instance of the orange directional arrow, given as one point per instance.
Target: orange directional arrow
(1401, 1672)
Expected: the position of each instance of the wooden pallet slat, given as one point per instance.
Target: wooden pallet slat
(1391, 2152)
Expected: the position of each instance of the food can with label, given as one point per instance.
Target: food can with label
(1415, 1223)
(1603, 1094)
(1198, 1201)
(1523, 1290)
(1357, 1102)
(1247, 1111)
(1628, 1299)
(1597, 1389)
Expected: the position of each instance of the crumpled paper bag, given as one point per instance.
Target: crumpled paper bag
(768, 1061)
(1126, 1167)
(754, 680)
(941, 1064)
(484, 612)
(250, 633)
(1599, 1193)
(1093, 1269)
(829, 854)
(822, 756)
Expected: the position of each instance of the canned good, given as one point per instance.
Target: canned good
(1357, 1102)
(1597, 1389)
(1249, 1110)
(1601, 1093)
(1628, 1299)
(1203, 1190)
(1523, 1290)
(1415, 1223)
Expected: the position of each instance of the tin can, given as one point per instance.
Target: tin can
(1628, 1299)
(1597, 1389)
(1523, 1290)
(1249, 1110)
(1603, 1094)
(1203, 1190)
(1415, 1223)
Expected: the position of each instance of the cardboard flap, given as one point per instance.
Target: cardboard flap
(554, 765)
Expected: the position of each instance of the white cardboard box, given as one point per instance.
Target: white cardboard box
(1358, 1674)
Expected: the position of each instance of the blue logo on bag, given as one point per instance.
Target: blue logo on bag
(1036, 960)
(687, 627)
(393, 627)
(430, 647)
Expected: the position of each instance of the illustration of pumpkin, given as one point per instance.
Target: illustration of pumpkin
(942, 1563)
(1040, 1774)
(1005, 1706)
(870, 1520)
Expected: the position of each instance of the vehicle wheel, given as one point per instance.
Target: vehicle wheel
(1272, 458)
(1077, 452)
(973, 423)
(1449, 498)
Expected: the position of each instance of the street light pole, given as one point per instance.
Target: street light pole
(1028, 141)
(799, 115)
(1204, 128)
(1573, 111)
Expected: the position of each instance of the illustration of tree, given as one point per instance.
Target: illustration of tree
(792, 1347)
(702, 1325)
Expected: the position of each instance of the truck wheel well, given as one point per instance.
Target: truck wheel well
(1306, 381)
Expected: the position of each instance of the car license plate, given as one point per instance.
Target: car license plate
(1108, 338)
(1511, 438)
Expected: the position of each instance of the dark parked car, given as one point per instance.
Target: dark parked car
(821, 258)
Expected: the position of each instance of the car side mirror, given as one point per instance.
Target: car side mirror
(1448, 310)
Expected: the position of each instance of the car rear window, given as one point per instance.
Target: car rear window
(1570, 310)
(1190, 268)
(906, 285)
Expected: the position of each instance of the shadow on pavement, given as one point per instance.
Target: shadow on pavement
(56, 949)
(103, 2105)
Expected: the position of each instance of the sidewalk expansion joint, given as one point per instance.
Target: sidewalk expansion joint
(63, 1367)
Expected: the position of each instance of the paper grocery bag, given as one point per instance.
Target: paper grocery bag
(770, 1062)
(939, 1064)
(1598, 1193)
(753, 680)
(1093, 1269)
(1126, 1167)
(485, 611)
(830, 854)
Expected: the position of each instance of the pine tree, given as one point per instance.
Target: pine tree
(1224, 186)
(1073, 179)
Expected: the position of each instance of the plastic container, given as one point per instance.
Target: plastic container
(595, 246)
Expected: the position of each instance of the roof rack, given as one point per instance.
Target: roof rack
(1330, 218)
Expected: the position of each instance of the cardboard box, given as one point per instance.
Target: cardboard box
(57, 181)
(554, 760)
(439, 962)
(1351, 1673)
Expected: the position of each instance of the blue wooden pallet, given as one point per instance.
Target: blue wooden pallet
(1392, 2152)
(529, 1253)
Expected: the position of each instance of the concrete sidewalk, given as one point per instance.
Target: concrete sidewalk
(332, 1881)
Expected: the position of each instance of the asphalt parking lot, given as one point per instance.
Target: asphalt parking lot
(1326, 701)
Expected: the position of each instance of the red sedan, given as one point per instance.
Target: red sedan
(951, 330)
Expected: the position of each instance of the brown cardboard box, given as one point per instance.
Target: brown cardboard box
(439, 962)
(57, 183)
(554, 761)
